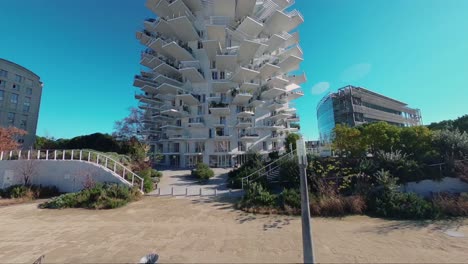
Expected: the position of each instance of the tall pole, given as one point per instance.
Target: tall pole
(308, 250)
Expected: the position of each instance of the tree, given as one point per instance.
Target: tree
(291, 141)
(131, 126)
(27, 170)
(8, 138)
(381, 136)
(416, 141)
(452, 145)
(348, 141)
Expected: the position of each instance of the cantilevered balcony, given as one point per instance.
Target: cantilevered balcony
(173, 80)
(248, 136)
(141, 81)
(227, 61)
(179, 50)
(271, 93)
(188, 99)
(176, 111)
(294, 95)
(297, 79)
(269, 69)
(191, 70)
(244, 123)
(212, 48)
(291, 63)
(250, 27)
(223, 86)
(277, 81)
(294, 118)
(248, 49)
(279, 115)
(281, 21)
(249, 86)
(292, 51)
(244, 74)
(219, 109)
(244, 8)
(242, 97)
(274, 105)
(168, 68)
(196, 122)
(277, 41)
(144, 36)
(246, 112)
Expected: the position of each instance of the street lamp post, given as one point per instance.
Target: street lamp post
(307, 245)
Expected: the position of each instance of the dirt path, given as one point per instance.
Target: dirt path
(183, 230)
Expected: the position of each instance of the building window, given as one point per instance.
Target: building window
(16, 87)
(13, 101)
(29, 82)
(18, 78)
(214, 75)
(29, 91)
(213, 64)
(199, 147)
(11, 118)
(3, 73)
(200, 45)
(222, 75)
(265, 146)
(222, 146)
(27, 104)
(23, 123)
(2, 84)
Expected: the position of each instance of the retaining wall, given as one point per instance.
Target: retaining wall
(68, 176)
(427, 187)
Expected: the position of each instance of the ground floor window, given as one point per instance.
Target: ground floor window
(220, 161)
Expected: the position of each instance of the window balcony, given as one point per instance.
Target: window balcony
(281, 21)
(241, 97)
(191, 70)
(219, 109)
(188, 99)
(244, 123)
(271, 93)
(249, 137)
(196, 122)
(244, 74)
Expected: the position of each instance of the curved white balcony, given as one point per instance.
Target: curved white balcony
(281, 21)
(250, 27)
(191, 71)
(291, 63)
(223, 86)
(244, 74)
(212, 48)
(297, 79)
(242, 98)
(188, 99)
(248, 49)
(272, 93)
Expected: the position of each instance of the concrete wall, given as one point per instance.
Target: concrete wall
(68, 176)
(426, 187)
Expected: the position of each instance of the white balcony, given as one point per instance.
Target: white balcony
(278, 81)
(217, 33)
(175, 112)
(226, 62)
(298, 79)
(244, 123)
(294, 118)
(280, 21)
(275, 105)
(294, 95)
(194, 5)
(246, 113)
(242, 98)
(188, 99)
(244, 8)
(275, 41)
(293, 51)
(248, 49)
(268, 70)
(159, 7)
(176, 51)
(221, 110)
(167, 70)
(256, 103)
(169, 80)
(279, 116)
(223, 86)
(250, 27)
(244, 74)
(290, 64)
(272, 93)
(166, 88)
(248, 137)
(192, 74)
(164, 28)
(172, 127)
(212, 48)
(144, 38)
(197, 122)
(249, 86)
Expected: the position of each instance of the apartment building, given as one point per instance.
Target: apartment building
(216, 79)
(20, 99)
(355, 106)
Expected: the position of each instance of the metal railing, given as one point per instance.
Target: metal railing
(266, 169)
(109, 164)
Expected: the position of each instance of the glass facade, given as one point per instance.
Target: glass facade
(326, 119)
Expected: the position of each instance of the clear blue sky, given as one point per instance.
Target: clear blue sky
(86, 54)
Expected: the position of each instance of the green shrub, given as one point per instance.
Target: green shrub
(29, 191)
(290, 198)
(252, 165)
(257, 196)
(18, 191)
(101, 196)
(148, 184)
(401, 206)
(202, 172)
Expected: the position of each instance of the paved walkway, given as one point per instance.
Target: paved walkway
(180, 183)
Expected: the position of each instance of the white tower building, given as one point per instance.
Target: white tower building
(217, 79)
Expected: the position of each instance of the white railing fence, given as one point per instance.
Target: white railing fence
(193, 192)
(89, 156)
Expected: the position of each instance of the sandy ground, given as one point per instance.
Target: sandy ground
(184, 230)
